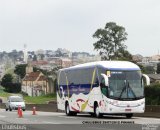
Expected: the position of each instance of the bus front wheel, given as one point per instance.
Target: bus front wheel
(96, 111)
(129, 116)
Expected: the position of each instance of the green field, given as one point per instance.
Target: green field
(3, 93)
(40, 99)
(31, 100)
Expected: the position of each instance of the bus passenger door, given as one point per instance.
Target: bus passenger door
(104, 84)
(104, 93)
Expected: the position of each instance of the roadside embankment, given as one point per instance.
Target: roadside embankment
(150, 111)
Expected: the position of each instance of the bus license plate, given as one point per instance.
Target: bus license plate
(127, 110)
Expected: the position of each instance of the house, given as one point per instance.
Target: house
(154, 78)
(137, 58)
(155, 58)
(35, 83)
(61, 62)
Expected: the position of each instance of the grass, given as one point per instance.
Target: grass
(3, 93)
(40, 99)
(30, 100)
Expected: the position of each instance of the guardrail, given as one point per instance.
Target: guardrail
(155, 108)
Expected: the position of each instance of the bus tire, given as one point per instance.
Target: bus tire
(128, 116)
(92, 114)
(68, 112)
(73, 113)
(96, 111)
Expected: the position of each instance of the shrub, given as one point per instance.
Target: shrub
(152, 94)
(13, 87)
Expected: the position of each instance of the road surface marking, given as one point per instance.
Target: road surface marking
(2, 116)
(21, 119)
(47, 122)
(68, 117)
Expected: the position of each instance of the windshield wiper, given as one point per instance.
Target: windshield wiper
(132, 90)
(124, 88)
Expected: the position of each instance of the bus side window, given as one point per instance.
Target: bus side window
(96, 82)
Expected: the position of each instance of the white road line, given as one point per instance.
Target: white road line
(68, 117)
(151, 118)
(21, 119)
(47, 122)
(2, 116)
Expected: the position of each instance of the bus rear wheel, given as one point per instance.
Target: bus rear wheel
(128, 116)
(68, 112)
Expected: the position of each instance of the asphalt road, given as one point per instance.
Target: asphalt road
(59, 121)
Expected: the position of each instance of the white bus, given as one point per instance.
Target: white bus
(103, 87)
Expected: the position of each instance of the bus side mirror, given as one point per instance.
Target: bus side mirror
(106, 79)
(147, 79)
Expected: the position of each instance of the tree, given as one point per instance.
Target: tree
(110, 42)
(150, 69)
(9, 85)
(20, 70)
(34, 58)
(42, 56)
(124, 55)
(143, 69)
(7, 78)
(158, 68)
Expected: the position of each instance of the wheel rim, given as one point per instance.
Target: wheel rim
(97, 111)
(67, 109)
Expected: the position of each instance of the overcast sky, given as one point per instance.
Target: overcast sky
(70, 24)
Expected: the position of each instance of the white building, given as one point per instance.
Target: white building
(25, 54)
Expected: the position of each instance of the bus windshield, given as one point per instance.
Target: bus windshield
(125, 85)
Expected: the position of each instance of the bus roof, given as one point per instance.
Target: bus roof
(110, 65)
